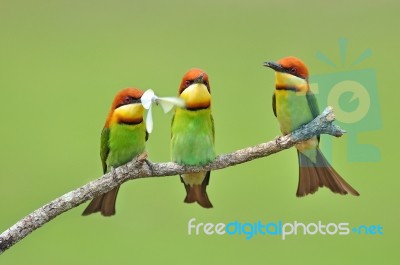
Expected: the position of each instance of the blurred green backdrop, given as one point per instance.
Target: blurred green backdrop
(61, 62)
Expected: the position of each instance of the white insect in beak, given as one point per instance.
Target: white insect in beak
(166, 103)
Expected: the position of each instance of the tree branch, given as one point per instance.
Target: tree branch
(138, 169)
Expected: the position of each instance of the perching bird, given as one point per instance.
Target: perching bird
(294, 105)
(122, 138)
(192, 134)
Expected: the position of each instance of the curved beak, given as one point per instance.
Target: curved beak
(275, 66)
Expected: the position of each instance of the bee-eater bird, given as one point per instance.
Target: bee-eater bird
(122, 138)
(192, 134)
(294, 105)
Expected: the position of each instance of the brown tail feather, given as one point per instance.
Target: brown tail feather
(312, 176)
(198, 193)
(105, 204)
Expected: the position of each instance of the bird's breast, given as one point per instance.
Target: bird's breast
(125, 142)
(292, 110)
(192, 141)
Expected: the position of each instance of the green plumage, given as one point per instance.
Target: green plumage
(192, 143)
(295, 105)
(192, 139)
(121, 143)
(294, 109)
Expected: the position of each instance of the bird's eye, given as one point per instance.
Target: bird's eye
(127, 100)
(205, 82)
(293, 70)
(188, 83)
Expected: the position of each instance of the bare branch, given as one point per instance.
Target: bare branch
(138, 169)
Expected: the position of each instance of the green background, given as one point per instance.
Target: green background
(61, 62)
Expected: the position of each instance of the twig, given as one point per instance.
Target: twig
(138, 169)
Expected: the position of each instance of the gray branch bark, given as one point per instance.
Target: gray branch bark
(137, 168)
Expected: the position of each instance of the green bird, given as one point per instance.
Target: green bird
(192, 134)
(122, 138)
(295, 105)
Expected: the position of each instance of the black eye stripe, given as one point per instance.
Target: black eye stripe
(129, 100)
(190, 82)
(293, 71)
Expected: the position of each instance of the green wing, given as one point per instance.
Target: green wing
(274, 104)
(213, 128)
(104, 147)
(172, 123)
(312, 102)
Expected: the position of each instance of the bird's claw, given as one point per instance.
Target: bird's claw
(113, 172)
(142, 157)
(150, 165)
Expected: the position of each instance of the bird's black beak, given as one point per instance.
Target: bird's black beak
(277, 67)
(199, 79)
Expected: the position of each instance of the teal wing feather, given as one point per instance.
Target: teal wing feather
(104, 147)
(312, 102)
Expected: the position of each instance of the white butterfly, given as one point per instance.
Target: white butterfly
(166, 103)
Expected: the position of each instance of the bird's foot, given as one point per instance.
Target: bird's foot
(113, 172)
(143, 158)
(150, 165)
